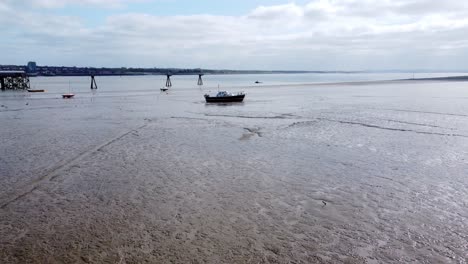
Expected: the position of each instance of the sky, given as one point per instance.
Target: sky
(241, 34)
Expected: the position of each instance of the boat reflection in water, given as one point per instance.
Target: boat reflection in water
(225, 97)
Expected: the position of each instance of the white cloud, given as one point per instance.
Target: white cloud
(323, 34)
(279, 11)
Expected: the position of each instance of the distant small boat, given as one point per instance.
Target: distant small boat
(69, 94)
(257, 82)
(225, 97)
(164, 89)
(36, 90)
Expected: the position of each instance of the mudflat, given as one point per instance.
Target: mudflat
(342, 173)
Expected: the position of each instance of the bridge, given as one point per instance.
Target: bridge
(19, 80)
(169, 82)
(14, 80)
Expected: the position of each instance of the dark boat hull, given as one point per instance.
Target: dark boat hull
(225, 99)
(36, 90)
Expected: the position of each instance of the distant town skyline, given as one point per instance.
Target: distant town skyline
(242, 35)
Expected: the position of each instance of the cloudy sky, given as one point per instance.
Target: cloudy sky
(241, 34)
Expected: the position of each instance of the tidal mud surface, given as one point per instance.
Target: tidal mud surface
(295, 174)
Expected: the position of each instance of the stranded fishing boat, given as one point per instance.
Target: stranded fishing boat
(36, 90)
(225, 97)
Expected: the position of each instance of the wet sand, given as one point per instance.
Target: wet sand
(340, 173)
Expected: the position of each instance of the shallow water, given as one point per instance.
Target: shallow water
(317, 173)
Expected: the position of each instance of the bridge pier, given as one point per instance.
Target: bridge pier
(93, 83)
(200, 81)
(168, 80)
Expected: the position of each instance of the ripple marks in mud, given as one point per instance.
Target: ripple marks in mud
(53, 172)
(424, 112)
(282, 116)
(251, 132)
(413, 123)
(34, 108)
(301, 124)
(391, 128)
(254, 131)
(311, 122)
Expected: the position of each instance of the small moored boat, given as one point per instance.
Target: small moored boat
(36, 90)
(69, 94)
(225, 97)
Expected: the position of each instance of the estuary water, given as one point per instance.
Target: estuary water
(305, 170)
(151, 82)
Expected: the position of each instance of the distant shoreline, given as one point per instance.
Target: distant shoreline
(37, 70)
(50, 71)
(448, 78)
(192, 73)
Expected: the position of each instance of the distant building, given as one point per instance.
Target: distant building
(31, 68)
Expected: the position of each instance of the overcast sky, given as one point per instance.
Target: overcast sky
(242, 34)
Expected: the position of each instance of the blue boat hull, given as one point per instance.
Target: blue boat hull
(225, 99)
